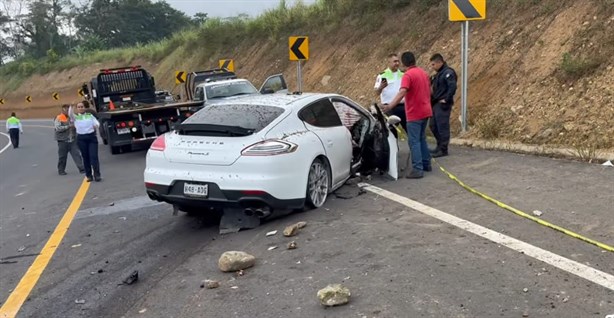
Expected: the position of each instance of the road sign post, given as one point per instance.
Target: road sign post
(465, 11)
(298, 50)
(465, 72)
(299, 77)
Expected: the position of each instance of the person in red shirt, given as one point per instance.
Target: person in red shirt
(416, 89)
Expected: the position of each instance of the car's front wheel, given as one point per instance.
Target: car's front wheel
(318, 183)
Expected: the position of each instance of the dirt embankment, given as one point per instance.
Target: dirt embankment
(539, 73)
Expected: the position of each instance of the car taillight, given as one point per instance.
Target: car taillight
(131, 123)
(159, 144)
(123, 124)
(269, 148)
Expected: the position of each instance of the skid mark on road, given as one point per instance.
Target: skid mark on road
(126, 205)
(591, 274)
(19, 295)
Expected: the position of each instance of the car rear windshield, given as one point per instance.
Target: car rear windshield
(230, 120)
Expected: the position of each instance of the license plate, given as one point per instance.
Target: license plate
(122, 131)
(196, 190)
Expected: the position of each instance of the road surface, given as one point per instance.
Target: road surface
(397, 261)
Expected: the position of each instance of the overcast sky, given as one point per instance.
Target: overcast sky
(228, 8)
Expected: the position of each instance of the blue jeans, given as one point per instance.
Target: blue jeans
(420, 155)
(88, 144)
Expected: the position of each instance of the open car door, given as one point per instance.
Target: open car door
(274, 84)
(385, 144)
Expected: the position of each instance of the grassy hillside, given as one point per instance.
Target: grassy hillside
(540, 71)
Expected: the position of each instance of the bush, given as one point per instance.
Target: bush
(575, 68)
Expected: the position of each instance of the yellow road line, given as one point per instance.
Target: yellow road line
(523, 214)
(28, 281)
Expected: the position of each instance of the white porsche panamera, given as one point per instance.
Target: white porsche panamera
(268, 152)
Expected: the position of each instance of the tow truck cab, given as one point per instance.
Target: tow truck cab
(129, 110)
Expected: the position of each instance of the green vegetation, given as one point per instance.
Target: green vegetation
(574, 68)
(214, 34)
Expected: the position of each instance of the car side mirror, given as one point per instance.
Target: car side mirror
(393, 120)
(267, 91)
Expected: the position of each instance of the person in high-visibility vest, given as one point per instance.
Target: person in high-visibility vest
(13, 127)
(387, 85)
(66, 136)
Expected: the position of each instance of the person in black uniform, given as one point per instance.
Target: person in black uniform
(443, 85)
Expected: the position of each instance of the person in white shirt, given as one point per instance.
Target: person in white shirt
(388, 84)
(86, 125)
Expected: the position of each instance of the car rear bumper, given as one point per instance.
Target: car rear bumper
(217, 197)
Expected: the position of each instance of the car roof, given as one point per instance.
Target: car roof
(234, 80)
(289, 101)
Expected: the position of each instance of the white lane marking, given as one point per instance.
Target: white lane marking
(9, 137)
(8, 144)
(21, 193)
(596, 276)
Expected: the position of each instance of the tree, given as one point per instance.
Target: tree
(11, 13)
(38, 31)
(200, 18)
(6, 51)
(127, 22)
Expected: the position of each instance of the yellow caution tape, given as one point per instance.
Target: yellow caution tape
(401, 132)
(523, 214)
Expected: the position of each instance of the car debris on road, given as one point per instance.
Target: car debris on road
(131, 279)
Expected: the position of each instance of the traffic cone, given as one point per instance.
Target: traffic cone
(111, 105)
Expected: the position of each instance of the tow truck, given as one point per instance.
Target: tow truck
(130, 109)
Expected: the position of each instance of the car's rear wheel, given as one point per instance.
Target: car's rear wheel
(318, 183)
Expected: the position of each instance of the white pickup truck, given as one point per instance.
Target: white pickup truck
(224, 89)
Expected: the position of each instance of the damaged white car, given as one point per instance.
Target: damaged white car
(261, 153)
